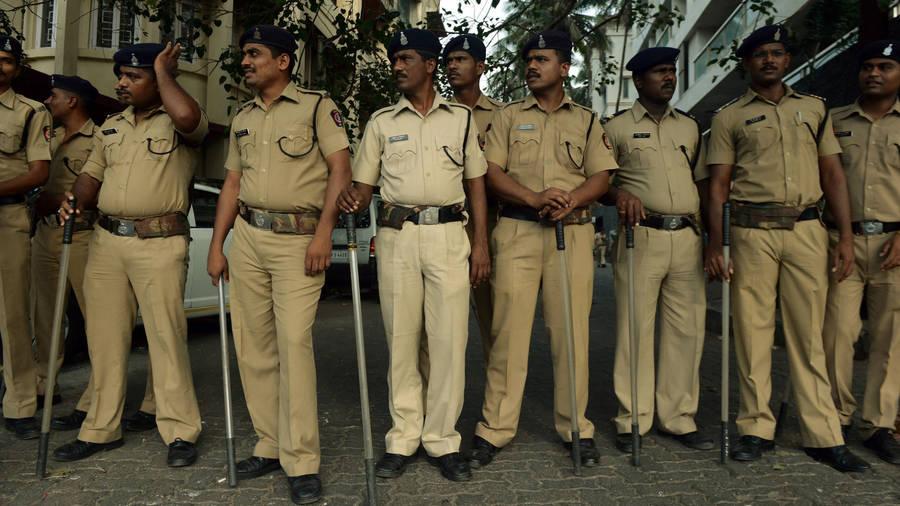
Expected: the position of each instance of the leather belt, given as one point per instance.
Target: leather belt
(150, 227)
(280, 222)
(434, 215)
(578, 216)
(870, 227)
(666, 222)
(11, 199)
(116, 226)
(810, 213)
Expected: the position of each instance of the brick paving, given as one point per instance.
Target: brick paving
(534, 469)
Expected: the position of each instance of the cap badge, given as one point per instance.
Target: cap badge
(889, 50)
(134, 60)
(7, 46)
(52, 82)
(777, 35)
(465, 44)
(256, 34)
(541, 42)
(403, 40)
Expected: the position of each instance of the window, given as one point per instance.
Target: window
(186, 11)
(204, 204)
(115, 25)
(46, 24)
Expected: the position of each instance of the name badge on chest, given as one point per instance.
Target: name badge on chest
(845, 133)
(525, 127)
(755, 120)
(241, 133)
(398, 138)
(110, 131)
(641, 135)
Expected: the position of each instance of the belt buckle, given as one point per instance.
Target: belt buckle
(872, 227)
(124, 228)
(261, 220)
(671, 222)
(429, 216)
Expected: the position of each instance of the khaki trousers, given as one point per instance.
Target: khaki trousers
(668, 270)
(120, 271)
(842, 327)
(423, 273)
(526, 261)
(19, 372)
(795, 263)
(273, 307)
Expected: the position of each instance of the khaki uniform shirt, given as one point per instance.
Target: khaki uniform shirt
(871, 160)
(656, 159)
(14, 112)
(541, 149)
(145, 168)
(483, 113)
(279, 153)
(775, 148)
(420, 160)
(69, 156)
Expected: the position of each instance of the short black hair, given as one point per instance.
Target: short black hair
(426, 55)
(277, 51)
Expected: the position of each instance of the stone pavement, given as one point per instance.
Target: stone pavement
(534, 469)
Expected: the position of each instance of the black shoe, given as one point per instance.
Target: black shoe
(838, 457)
(57, 398)
(305, 489)
(884, 445)
(392, 465)
(482, 453)
(181, 453)
(139, 421)
(588, 451)
(623, 442)
(69, 422)
(78, 449)
(254, 467)
(691, 440)
(751, 448)
(25, 428)
(845, 431)
(453, 466)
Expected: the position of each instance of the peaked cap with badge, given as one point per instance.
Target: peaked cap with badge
(650, 57)
(468, 43)
(550, 39)
(880, 49)
(414, 38)
(81, 87)
(269, 35)
(12, 46)
(137, 55)
(760, 36)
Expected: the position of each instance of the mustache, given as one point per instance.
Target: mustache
(769, 67)
(668, 86)
(398, 75)
(532, 73)
(248, 68)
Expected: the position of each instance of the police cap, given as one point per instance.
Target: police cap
(651, 57)
(137, 55)
(550, 39)
(468, 43)
(414, 38)
(74, 84)
(880, 49)
(760, 36)
(12, 46)
(270, 36)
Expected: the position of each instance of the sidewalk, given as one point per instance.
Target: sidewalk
(534, 469)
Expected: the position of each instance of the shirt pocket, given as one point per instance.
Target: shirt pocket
(570, 150)
(160, 143)
(759, 138)
(524, 146)
(851, 152)
(297, 142)
(246, 145)
(450, 156)
(892, 154)
(643, 155)
(11, 138)
(399, 157)
(112, 147)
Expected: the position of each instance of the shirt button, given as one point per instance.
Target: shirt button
(263, 170)
(789, 179)
(267, 116)
(426, 148)
(122, 186)
(265, 142)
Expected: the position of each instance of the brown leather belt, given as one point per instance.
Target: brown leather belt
(280, 222)
(149, 227)
(11, 199)
(579, 216)
(84, 221)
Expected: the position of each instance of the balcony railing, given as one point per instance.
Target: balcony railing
(738, 23)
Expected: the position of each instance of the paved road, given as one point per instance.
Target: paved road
(534, 469)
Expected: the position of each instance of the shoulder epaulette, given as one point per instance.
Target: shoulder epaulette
(514, 102)
(689, 115)
(494, 101)
(810, 95)
(726, 104)
(840, 110)
(614, 115)
(586, 108)
(112, 115)
(34, 104)
(321, 93)
(381, 111)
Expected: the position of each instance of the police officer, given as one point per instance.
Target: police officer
(464, 63)
(24, 165)
(779, 145)
(424, 152)
(72, 140)
(546, 162)
(288, 158)
(657, 148)
(145, 157)
(869, 133)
